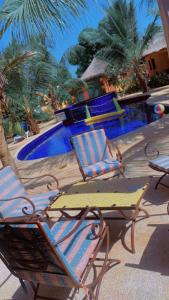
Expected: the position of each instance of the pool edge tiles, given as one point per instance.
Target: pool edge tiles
(36, 138)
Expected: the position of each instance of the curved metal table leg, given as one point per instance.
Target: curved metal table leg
(144, 211)
(133, 223)
(132, 236)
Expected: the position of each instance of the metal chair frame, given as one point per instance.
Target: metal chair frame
(154, 152)
(91, 289)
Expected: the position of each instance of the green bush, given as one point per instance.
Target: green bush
(42, 116)
(159, 79)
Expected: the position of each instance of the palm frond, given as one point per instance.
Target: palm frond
(150, 32)
(31, 17)
(17, 60)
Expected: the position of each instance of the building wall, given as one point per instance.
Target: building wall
(157, 62)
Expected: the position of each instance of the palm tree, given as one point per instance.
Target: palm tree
(26, 19)
(29, 18)
(81, 54)
(124, 46)
(39, 76)
(5, 69)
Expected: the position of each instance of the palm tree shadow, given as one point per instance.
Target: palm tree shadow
(155, 256)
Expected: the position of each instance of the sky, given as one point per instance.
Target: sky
(87, 18)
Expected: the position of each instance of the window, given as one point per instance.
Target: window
(153, 63)
(150, 66)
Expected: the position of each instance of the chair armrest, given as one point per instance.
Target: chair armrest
(151, 151)
(118, 152)
(25, 208)
(98, 215)
(42, 176)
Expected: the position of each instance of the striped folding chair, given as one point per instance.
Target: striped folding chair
(94, 154)
(15, 202)
(157, 162)
(62, 255)
(160, 164)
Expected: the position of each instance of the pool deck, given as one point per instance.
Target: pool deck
(140, 276)
(161, 95)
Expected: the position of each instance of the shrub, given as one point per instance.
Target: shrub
(159, 79)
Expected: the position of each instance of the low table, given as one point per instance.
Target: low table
(116, 194)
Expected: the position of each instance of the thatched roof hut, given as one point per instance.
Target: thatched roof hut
(96, 68)
(158, 43)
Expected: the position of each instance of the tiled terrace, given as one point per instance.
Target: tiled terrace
(140, 276)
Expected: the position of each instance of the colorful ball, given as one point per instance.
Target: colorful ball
(159, 109)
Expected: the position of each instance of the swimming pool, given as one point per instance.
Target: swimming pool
(56, 141)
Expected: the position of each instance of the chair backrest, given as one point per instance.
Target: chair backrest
(91, 147)
(28, 251)
(10, 187)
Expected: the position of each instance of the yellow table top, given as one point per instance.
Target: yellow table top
(101, 194)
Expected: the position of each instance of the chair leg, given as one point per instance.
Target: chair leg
(121, 171)
(23, 286)
(159, 181)
(92, 290)
(36, 291)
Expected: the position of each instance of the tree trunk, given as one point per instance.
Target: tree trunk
(5, 155)
(53, 99)
(141, 81)
(32, 123)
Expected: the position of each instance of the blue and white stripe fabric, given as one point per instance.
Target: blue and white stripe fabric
(102, 167)
(93, 153)
(91, 147)
(11, 187)
(161, 163)
(70, 256)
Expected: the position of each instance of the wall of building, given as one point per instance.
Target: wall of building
(157, 62)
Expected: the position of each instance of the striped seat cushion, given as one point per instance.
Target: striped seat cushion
(43, 200)
(79, 247)
(91, 147)
(102, 167)
(11, 187)
(13, 209)
(161, 163)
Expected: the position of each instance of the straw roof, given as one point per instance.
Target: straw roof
(158, 43)
(96, 68)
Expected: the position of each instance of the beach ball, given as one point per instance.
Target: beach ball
(159, 109)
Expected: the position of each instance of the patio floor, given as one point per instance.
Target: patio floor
(140, 276)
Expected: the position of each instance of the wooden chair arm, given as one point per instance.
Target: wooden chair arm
(42, 176)
(97, 213)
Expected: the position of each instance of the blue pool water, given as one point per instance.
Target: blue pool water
(57, 140)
